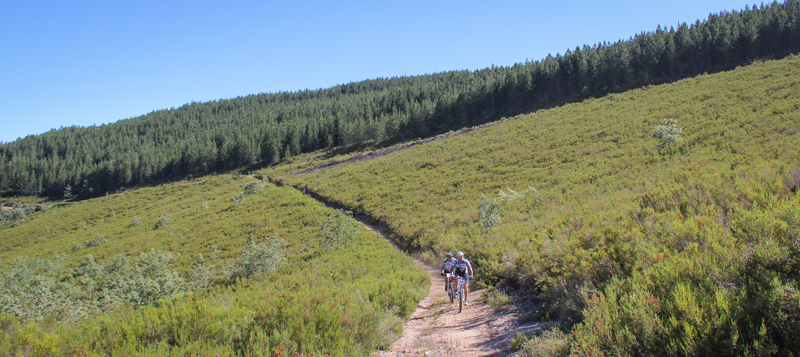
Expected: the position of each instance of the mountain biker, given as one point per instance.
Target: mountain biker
(463, 268)
(447, 267)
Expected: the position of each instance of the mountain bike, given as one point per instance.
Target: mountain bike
(451, 291)
(461, 292)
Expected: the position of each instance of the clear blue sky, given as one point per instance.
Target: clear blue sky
(79, 62)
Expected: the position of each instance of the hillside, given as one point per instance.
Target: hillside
(693, 246)
(196, 267)
(136, 238)
(267, 128)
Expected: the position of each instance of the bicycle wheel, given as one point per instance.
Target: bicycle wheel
(460, 299)
(450, 292)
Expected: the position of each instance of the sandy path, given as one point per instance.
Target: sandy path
(436, 328)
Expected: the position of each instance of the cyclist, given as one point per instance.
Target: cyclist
(463, 269)
(447, 267)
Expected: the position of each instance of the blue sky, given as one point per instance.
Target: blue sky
(92, 62)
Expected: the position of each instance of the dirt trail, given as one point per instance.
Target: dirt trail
(436, 328)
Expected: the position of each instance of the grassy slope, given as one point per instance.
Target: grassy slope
(201, 210)
(694, 247)
(330, 303)
(593, 155)
(599, 174)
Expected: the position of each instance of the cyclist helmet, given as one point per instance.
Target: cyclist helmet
(449, 255)
(460, 254)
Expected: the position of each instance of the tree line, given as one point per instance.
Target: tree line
(269, 127)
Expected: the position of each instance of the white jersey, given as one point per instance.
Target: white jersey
(461, 268)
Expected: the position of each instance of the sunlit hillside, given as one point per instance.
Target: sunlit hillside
(266, 128)
(693, 244)
(664, 220)
(225, 264)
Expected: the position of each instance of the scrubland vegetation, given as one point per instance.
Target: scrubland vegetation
(222, 277)
(661, 220)
(637, 247)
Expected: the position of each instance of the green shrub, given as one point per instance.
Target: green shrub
(489, 210)
(202, 275)
(498, 300)
(259, 259)
(489, 213)
(98, 240)
(253, 188)
(338, 230)
(239, 199)
(164, 220)
(527, 317)
(77, 246)
(551, 343)
(518, 342)
(18, 212)
(31, 289)
(668, 133)
(38, 288)
(722, 295)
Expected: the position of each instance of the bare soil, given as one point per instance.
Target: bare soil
(436, 328)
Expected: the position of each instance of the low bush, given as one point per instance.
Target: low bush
(668, 133)
(259, 259)
(18, 212)
(338, 230)
(498, 300)
(164, 220)
(551, 343)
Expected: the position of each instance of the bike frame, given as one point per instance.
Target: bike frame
(461, 286)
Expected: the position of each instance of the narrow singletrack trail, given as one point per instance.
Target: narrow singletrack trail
(436, 328)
